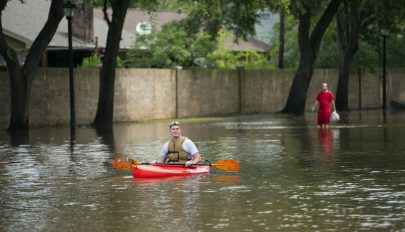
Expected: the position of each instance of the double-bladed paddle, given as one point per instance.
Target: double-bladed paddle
(225, 164)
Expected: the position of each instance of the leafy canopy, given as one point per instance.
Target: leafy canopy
(171, 47)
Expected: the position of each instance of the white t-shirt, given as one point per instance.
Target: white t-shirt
(187, 145)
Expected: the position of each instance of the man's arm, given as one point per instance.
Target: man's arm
(162, 158)
(192, 149)
(333, 105)
(315, 105)
(196, 158)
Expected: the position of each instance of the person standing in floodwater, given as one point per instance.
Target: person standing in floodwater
(324, 101)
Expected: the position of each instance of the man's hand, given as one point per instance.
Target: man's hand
(188, 163)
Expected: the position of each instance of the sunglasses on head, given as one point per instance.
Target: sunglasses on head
(174, 124)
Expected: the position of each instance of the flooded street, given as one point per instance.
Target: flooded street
(293, 177)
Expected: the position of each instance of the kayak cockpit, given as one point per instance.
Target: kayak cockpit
(168, 170)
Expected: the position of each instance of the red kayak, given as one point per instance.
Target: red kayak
(167, 170)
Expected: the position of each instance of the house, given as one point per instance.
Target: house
(23, 21)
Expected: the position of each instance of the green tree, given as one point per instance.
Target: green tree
(114, 15)
(228, 59)
(309, 43)
(205, 15)
(328, 53)
(290, 48)
(348, 30)
(115, 22)
(173, 47)
(91, 62)
(21, 76)
(95, 61)
(170, 48)
(246, 59)
(192, 39)
(354, 19)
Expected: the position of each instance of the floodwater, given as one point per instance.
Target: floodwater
(293, 177)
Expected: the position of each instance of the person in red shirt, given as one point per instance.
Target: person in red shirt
(324, 99)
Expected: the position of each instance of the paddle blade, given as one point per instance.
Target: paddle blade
(227, 165)
(123, 163)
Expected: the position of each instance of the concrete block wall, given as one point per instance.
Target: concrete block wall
(203, 92)
(142, 94)
(50, 96)
(396, 85)
(265, 91)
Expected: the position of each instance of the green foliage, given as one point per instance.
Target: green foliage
(328, 56)
(187, 46)
(174, 47)
(91, 62)
(226, 59)
(396, 50)
(291, 50)
(120, 62)
(210, 16)
(95, 61)
(366, 56)
(174, 5)
(170, 48)
(246, 59)
(387, 14)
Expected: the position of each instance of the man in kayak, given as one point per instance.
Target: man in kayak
(179, 149)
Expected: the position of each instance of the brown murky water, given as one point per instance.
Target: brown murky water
(293, 177)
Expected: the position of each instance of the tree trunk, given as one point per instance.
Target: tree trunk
(21, 77)
(105, 109)
(20, 98)
(309, 47)
(342, 92)
(297, 97)
(348, 30)
(281, 40)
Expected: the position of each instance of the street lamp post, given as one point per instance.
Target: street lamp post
(69, 11)
(384, 33)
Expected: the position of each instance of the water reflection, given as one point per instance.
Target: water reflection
(325, 145)
(325, 140)
(293, 177)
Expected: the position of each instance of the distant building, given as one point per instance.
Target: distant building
(264, 29)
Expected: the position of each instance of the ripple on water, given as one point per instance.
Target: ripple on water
(239, 188)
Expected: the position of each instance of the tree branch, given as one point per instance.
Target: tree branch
(323, 23)
(45, 36)
(105, 8)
